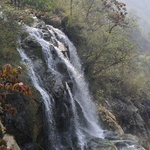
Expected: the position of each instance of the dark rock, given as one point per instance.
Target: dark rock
(109, 120)
(22, 125)
(53, 20)
(58, 89)
(46, 36)
(32, 47)
(61, 67)
(41, 26)
(99, 144)
(30, 42)
(133, 117)
(54, 42)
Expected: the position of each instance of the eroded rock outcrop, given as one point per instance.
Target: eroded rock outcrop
(109, 120)
(27, 125)
(133, 117)
(11, 143)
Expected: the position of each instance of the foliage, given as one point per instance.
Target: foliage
(105, 45)
(43, 5)
(9, 31)
(101, 31)
(9, 84)
(4, 148)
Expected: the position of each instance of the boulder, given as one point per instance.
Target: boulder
(109, 120)
(99, 144)
(32, 47)
(11, 143)
(52, 19)
(133, 117)
(26, 125)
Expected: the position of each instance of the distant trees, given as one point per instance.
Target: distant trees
(101, 30)
(116, 12)
(17, 3)
(38, 4)
(102, 25)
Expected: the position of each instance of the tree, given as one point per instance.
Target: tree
(71, 1)
(103, 42)
(44, 5)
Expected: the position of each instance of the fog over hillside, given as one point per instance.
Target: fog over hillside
(141, 9)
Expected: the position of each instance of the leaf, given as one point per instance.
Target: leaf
(8, 87)
(20, 83)
(1, 73)
(12, 111)
(1, 86)
(14, 71)
(7, 67)
(2, 95)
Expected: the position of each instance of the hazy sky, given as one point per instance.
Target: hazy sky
(141, 8)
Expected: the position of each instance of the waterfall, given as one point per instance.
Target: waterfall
(70, 119)
(76, 118)
(84, 113)
(81, 92)
(47, 98)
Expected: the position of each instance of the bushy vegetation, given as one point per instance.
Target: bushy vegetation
(101, 31)
(103, 35)
(9, 84)
(10, 31)
(8, 36)
(43, 5)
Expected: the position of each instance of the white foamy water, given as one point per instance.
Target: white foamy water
(83, 109)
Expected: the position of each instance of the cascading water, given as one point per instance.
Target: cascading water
(37, 83)
(70, 117)
(81, 92)
(84, 113)
(76, 118)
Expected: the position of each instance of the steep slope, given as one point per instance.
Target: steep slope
(69, 111)
(62, 115)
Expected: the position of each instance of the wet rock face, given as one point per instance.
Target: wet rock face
(114, 141)
(109, 120)
(55, 85)
(63, 113)
(98, 144)
(133, 116)
(53, 20)
(26, 125)
(143, 121)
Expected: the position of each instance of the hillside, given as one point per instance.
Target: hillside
(90, 82)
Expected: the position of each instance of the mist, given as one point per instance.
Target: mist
(140, 11)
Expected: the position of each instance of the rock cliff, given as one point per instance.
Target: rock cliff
(30, 127)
